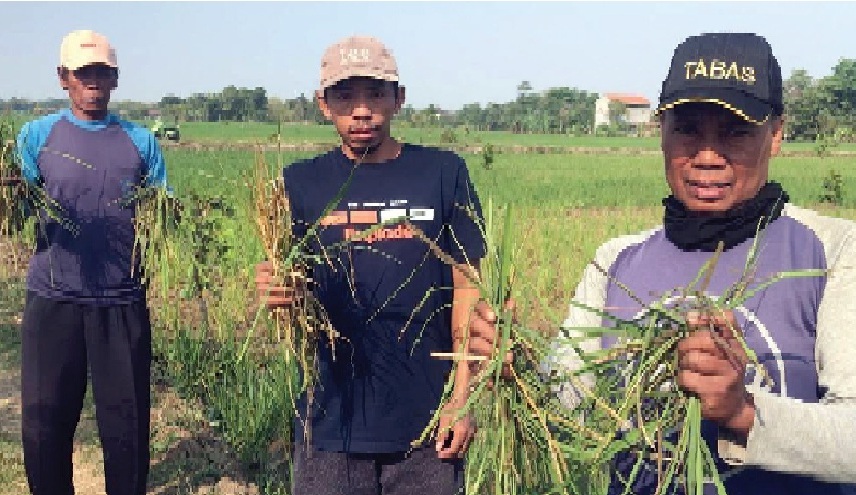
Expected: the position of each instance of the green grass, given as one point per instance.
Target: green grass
(315, 133)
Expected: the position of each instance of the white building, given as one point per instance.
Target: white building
(637, 109)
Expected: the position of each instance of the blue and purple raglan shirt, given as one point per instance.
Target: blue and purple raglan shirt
(92, 169)
(803, 331)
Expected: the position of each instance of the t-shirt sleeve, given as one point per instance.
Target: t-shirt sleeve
(151, 154)
(155, 164)
(463, 218)
(28, 145)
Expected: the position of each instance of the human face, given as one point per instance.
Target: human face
(716, 161)
(89, 89)
(362, 110)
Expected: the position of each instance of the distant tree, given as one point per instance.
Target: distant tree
(802, 106)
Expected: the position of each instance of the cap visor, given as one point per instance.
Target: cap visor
(747, 107)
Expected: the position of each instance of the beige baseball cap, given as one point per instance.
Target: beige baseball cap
(85, 47)
(357, 56)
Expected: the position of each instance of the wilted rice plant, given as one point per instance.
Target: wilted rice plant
(302, 325)
(635, 405)
(12, 187)
(522, 427)
(21, 202)
(156, 223)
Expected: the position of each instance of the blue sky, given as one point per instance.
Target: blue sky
(449, 53)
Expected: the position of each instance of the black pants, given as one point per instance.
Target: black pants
(58, 339)
(415, 473)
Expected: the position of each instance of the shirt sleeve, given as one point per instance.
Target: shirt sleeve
(28, 145)
(155, 164)
(150, 152)
(815, 439)
(463, 218)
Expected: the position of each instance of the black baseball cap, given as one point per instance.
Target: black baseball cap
(735, 70)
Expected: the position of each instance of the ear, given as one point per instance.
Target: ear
(399, 99)
(778, 129)
(62, 75)
(662, 118)
(322, 104)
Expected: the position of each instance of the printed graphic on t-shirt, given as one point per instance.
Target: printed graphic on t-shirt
(372, 221)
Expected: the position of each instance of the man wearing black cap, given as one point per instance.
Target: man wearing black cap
(721, 117)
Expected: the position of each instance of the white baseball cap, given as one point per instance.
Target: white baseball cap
(85, 47)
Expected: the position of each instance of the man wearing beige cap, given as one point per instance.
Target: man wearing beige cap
(391, 299)
(84, 305)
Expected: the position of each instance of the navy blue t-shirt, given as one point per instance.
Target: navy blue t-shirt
(92, 170)
(386, 294)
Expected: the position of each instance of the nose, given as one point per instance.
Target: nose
(709, 156)
(361, 108)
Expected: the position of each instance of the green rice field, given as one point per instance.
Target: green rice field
(564, 206)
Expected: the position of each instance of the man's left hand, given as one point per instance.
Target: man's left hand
(453, 442)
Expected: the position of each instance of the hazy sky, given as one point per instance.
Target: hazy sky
(448, 53)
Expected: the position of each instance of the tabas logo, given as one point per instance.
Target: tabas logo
(354, 55)
(720, 70)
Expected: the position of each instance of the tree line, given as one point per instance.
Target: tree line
(816, 109)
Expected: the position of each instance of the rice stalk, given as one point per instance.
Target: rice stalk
(22, 203)
(302, 326)
(520, 447)
(157, 220)
(656, 421)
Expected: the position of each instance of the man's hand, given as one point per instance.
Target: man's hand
(453, 442)
(275, 296)
(712, 366)
(483, 335)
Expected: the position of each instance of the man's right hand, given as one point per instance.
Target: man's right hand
(276, 296)
(483, 337)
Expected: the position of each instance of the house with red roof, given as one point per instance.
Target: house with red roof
(632, 109)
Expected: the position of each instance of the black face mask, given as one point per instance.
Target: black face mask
(691, 232)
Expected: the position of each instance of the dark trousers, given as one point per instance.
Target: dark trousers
(336, 473)
(58, 340)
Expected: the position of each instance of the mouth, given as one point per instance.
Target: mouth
(93, 100)
(363, 132)
(708, 190)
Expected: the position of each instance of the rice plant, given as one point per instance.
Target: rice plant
(519, 448)
(156, 224)
(299, 328)
(22, 204)
(635, 406)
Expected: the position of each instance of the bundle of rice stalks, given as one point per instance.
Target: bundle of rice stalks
(12, 188)
(635, 407)
(522, 427)
(21, 202)
(156, 223)
(298, 327)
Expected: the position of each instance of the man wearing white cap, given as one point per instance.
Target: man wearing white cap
(84, 305)
(391, 299)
